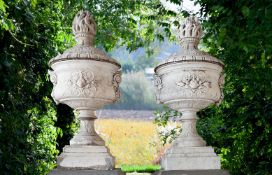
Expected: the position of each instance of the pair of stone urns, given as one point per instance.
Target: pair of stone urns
(86, 79)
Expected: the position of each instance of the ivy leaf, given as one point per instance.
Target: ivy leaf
(3, 6)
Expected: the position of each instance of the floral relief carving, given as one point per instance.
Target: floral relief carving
(116, 81)
(83, 83)
(195, 82)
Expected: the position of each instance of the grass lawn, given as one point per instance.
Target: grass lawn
(140, 168)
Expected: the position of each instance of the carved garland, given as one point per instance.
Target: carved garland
(194, 82)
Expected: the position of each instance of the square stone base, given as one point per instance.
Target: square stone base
(192, 172)
(190, 158)
(59, 171)
(86, 157)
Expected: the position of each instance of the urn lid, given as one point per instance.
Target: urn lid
(84, 29)
(189, 35)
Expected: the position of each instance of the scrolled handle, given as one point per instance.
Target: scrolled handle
(53, 77)
(54, 80)
(117, 78)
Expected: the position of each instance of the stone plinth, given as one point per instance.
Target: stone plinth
(192, 172)
(86, 157)
(86, 172)
(190, 158)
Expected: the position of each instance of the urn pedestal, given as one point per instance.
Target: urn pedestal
(85, 79)
(188, 82)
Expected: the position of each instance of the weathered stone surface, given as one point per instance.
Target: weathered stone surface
(86, 157)
(85, 172)
(192, 172)
(85, 79)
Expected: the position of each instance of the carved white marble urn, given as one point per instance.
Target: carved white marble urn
(189, 81)
(86, 79)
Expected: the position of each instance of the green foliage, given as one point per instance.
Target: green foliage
(42, 137)
(28, 134)
(140, 168)
(167, 135)
(31, 33)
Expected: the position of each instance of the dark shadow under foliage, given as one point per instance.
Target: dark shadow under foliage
(65, 121)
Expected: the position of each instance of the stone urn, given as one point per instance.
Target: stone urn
(85, 79)
(189, 81)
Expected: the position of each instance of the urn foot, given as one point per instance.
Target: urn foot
(190, 158)
(80, 139)
(193, 141)
(86, 157)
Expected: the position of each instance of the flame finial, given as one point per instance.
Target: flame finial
(190, 33)
(84, 28)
